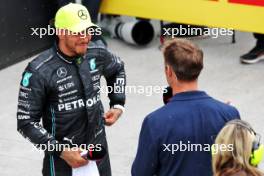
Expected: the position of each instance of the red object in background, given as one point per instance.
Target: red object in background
(162, 40)
(249, 2)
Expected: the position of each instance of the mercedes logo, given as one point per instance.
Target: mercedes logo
(82, 14)
(61, 72)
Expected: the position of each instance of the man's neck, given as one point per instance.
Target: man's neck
(185, 87)
(63, 50)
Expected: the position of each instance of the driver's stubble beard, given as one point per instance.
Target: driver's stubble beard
(73, 48)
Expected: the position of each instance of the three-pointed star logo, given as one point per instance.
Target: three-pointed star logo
(61, 72)
(82, 14)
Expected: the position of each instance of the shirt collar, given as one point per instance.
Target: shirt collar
(189, 95)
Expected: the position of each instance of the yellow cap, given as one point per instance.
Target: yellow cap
(73, 17)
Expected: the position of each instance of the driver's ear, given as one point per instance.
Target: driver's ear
(61, 34)
(61, 37)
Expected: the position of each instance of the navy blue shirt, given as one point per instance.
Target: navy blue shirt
(190, 120)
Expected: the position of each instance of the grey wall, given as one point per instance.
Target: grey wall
(17, 17)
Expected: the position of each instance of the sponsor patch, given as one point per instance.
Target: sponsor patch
(25, 81)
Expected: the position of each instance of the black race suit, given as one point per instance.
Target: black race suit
(65, 94)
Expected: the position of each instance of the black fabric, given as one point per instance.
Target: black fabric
(93, 7)
(63, 169)
(65, 95)
(64, 2)
(260, 39)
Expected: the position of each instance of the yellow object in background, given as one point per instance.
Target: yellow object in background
(244, 15)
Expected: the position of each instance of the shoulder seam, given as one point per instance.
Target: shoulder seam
(43, 62)
(96, 47)
(41, 59)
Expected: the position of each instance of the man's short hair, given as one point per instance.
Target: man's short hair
(185, 58)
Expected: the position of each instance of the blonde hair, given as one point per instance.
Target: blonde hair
(241, 137)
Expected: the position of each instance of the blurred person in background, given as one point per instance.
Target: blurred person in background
(246, 153)
(257, 53)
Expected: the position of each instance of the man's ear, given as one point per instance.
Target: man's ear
(61, 37)
(61, 34)
(168, 70)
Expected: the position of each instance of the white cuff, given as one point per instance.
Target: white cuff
(119, 107)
